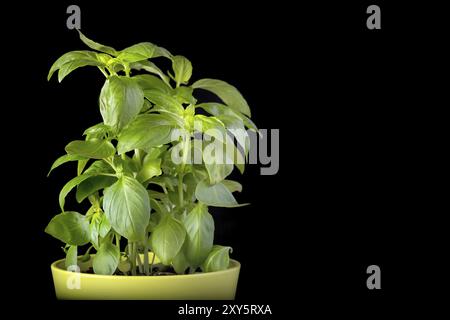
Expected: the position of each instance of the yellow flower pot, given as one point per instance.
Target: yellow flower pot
(220, 285)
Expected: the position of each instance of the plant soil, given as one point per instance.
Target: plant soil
(156, 272)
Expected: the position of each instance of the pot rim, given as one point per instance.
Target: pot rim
(234, 264)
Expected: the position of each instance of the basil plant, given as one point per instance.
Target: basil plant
(149, 171)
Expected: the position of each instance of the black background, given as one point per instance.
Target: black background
(355, 109)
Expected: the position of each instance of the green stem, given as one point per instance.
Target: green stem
(151, 264)
(104, 72)
(138, 154)
(187, 144)
(146, 264)
(141, 268)
(180, 189)
(132, 253)
(117, 241)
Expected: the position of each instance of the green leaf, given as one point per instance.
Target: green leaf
(94, 226)
(71, 257)
(63, 159)
(184, 95)
(70, 227)
(152, 68)
(216, 195)
(80, 166)
(182, 68)
(127, 207)
(99, 226)
(98, 167)
(94, 149)
(69, 186)
(215, 163)
(106, 259)
(150, 168)
(146, 131)
(97, 46)
(218, 259)
(150, 82)
(104, 226)
(227, 153)
(93, 184)
(226, 92)
(98, 131)
(73, 60)
(121, 100)
(165, 101)
(180, 262)
(142, 51)
(206, 123)
(232, 185)
(199, 226)
(167, 239)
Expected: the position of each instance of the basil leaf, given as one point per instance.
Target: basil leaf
(142, 51)
(232, 185)
(91, 185)
(94, 149)
(165, 101)
(70, 227)
(71, 61)
(218, 259)
(99, 166)
(206, 123)
(63, 159)
(215, 164)
(184, 95)
(199, 226)
(216, 195)
(150, 168)
(150, 82)
(95, 183)
(127, 207)
(80, 166)
(121, 100)
(227, 153)
(106, 259)
(146, 131)
(182, 68)
(97, 46)
(167, 239)
(152, 68)
(218, 110)
(104, 226)
(226, 92)
(71, 257)
(180, 262)
(98, 131)
(69, 186)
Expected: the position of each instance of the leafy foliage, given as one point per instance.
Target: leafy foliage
(147, 175)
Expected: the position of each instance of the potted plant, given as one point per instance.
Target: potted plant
(149, 171)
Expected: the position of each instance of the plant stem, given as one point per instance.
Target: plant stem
(151, 264)
(146, 266)
(187, 144)
(117, 241)
(141, 268)
(104, 72)
(131, 248)
(180, 189)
